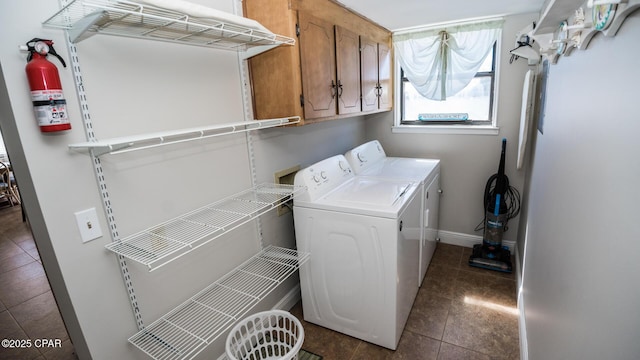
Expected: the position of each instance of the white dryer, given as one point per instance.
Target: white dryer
(362, 235)
(370, 159)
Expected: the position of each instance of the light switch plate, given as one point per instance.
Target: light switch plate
(88, 224)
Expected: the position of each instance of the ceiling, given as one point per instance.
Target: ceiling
(400, 14)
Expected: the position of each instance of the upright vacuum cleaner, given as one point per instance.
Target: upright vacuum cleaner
(501, 203)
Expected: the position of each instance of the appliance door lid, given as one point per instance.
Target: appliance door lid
(413, 169)
(369, 196)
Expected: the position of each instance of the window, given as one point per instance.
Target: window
(446, 77)
(472, 106)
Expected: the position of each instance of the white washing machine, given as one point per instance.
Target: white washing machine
(370, 159)
(363, 236)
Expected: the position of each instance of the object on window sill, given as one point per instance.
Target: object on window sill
(443, 117)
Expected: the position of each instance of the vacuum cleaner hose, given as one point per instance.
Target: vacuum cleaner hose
(511, 199)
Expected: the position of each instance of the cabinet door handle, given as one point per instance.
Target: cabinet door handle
(339, 88)
(333, 89)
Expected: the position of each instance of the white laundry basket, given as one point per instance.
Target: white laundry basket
(267, 335)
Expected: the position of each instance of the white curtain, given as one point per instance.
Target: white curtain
(441, 62)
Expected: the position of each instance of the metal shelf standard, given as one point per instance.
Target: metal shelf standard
(84, 18)
(146, 141)
(163, 243)
(185, 331)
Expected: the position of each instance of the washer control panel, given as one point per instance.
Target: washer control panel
(365, 155)
(323, 176)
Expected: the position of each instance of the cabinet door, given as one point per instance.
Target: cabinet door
(348, 71)
(369, 73)
(317, 55)
(384, 71)
(276, 83)
(431, 224)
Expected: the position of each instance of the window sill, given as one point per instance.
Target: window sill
(446, 129)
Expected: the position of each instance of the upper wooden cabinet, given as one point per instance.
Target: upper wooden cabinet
(320, 78)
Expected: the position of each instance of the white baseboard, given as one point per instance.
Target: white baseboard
(466, 240)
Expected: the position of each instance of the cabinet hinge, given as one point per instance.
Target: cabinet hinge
(297, 30)
(301, 100)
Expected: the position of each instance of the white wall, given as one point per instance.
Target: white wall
(467, 161)
(135, 86)
(581, 264)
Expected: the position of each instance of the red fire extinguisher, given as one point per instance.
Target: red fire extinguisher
(46, 90)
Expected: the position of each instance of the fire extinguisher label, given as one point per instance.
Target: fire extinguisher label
(46, 95)
(50, 107)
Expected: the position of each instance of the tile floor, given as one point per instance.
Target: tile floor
(28, 310)
(460, 313)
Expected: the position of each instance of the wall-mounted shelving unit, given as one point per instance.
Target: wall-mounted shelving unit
(84, 18)
(186, 330)
(565, 25)
(146, 141)
(163, 243)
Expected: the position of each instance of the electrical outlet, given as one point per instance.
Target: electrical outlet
(88, 224)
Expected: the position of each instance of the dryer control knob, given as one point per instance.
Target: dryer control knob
(315, 178)
(323, 175)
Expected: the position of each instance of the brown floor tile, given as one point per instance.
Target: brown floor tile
(414, 346)
(23, 283)
(329, 344)
(39, 317)
(29, 246)
(440, 280)
(8, 249)
(452, 352)
(15, 261)
(482, 329)
(428, 315)
(9, 329)
(8, 324)
(447, 255)
(368, 351)
(485, 287)
(411, 347)
(325, 342)
(65, 352)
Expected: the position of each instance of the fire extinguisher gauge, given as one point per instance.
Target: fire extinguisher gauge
(41, 48)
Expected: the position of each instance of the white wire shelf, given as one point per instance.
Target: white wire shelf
(186, 330)
(163, 243)
(84, 18)
(146, 141)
